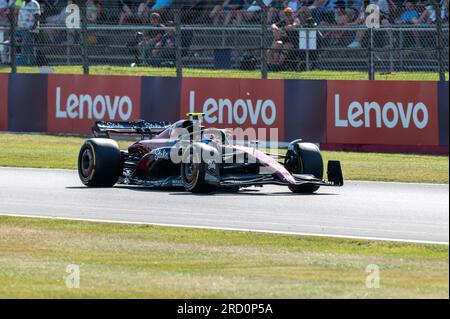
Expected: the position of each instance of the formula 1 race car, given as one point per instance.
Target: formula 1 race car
(186, 154)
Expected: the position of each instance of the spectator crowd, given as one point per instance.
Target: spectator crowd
(158, 44)
(227, 12)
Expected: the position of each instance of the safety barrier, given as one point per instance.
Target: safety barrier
(394, 114)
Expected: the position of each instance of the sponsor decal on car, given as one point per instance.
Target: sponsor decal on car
(362, 112)
(75, 102)
(3, 102)
(161, 153)
(235, 103)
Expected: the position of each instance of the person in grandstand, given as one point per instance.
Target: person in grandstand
(342, 17)
(28, 25)
(429, 14)
(5, 6)
(153, 36)
(131, 11)
(164, 50)
(410, 15)
(285, 36)
(293, 4)
(361, 20)
(253, 10)
(229, 10)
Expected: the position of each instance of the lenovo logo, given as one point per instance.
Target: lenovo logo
(389, 115)
(99, 107)
(239, 111)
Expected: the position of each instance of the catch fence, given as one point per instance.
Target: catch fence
(184, 43)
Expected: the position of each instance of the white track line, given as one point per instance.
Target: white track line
(230, 229)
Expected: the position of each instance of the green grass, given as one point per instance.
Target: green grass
(47, 151)
(151, 71)
(136, 261)
(392, 167)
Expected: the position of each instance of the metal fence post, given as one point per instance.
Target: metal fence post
(12, 41)
(84, 49)
(439, 41)
(371, 56)
(264, 15)
(391, 51)
(307, 58)
(178, 44)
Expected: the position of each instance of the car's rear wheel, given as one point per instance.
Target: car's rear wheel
(304, 158)
(99, 162)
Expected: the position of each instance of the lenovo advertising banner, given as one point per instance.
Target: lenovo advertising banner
(382, 112)
(236, 103)
(75, 102)
(3, 102)
(394, 114)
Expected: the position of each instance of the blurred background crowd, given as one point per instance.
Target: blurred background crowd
(228, 34)
(232, 12)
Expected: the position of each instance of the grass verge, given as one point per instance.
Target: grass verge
(187, 72)
(46, 151)
(137, 261)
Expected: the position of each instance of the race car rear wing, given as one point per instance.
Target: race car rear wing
(103, 128)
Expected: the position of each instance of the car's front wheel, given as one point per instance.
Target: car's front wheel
(197, 174)
(304, 158)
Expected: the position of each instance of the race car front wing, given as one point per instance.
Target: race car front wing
(334, 178)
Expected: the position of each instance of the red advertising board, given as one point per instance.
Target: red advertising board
(75, 102)
(236, 103)
(3, 102)
(382, 112)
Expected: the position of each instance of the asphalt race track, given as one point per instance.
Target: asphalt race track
(392, 211)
